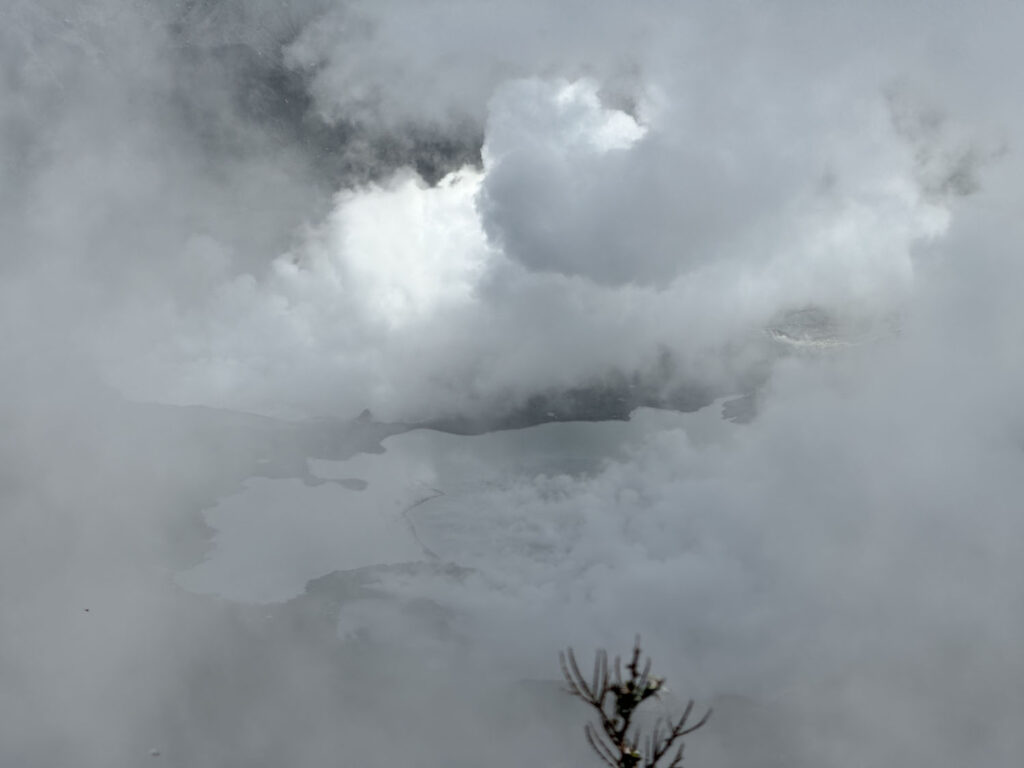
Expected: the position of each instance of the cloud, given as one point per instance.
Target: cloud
(576, 230)
(451, 209)
(438, 62)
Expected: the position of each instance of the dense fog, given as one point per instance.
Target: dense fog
(356, 357)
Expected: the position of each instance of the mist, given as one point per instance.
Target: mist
(358, 357)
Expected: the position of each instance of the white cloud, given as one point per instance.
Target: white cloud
(592, 261)
(659, 183)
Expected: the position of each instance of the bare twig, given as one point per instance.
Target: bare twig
(615, 700)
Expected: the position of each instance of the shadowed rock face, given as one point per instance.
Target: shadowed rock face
(798, 331)
(600, 402)
(229, 72)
